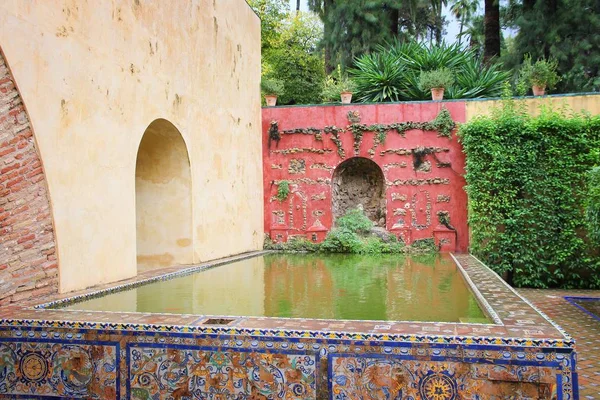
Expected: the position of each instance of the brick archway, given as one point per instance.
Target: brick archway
(28, 258)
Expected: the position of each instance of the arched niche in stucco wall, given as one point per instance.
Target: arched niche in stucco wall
(163, 197)
(357, 181)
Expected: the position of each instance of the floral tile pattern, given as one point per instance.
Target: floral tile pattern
(80, 371)
(172, 372)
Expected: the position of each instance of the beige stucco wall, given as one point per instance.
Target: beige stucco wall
(587, 103)
(95, 74)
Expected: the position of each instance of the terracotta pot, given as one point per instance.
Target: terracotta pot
(271, 100)
(437, 94)
(346, 97)
(539, 90)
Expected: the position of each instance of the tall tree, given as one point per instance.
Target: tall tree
(297, 6)
(323, 8)
(566, 30)
(464, 10)
(491, 28)
(437, 7)
(353, 27)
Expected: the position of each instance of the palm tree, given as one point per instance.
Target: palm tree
(436, 7)
(464, 10)
(491, 29)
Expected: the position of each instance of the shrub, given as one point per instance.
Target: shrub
(378, 77)
(303, 75)
(392, 72)
(355, 221)
(593, 205)
(527, 184)
(352, 235)
(333, 87)
(439, 78)
(283, 190)
(341, 240)
(542, 73)
(271, 86)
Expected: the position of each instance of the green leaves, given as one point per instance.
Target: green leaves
(527, 181)
(593, 205)
(392, 73)
(378, 77)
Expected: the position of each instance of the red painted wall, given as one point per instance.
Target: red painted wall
(307, 211)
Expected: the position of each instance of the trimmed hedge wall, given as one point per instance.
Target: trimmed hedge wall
(528, 185)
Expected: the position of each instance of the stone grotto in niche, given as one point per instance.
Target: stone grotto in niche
(359, 181)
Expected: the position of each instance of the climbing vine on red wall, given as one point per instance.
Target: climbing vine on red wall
(314, 141)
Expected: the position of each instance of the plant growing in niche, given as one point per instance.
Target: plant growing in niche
(540, 75)
(271, 88)
(283, 190)
(436, 81)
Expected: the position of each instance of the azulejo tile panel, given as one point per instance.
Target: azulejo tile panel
(165, 372)
(59, 369)
(52, 353)
(373, 377)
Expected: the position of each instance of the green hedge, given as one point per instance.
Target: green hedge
(528, 186)
(593, 206)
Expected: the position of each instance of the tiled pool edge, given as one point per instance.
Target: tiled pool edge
(492, 363)
(572, 299)
(184, 271)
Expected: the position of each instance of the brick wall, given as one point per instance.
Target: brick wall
(28, 264)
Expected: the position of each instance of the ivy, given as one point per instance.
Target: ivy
(442, 124)
(335, 138)
(593, 206)
(527, 181)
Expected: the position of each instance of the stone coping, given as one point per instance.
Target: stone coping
(516, 322)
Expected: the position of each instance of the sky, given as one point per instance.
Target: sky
(452, 28)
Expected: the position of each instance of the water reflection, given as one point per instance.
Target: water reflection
(311, 286)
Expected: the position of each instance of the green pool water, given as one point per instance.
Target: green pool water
(428, 288)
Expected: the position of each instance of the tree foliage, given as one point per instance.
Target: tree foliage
(290, 52)
(565, 30)
(356, 27)
(527, 185)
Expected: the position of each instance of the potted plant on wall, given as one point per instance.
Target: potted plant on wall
(271, 88)
(540, 75)
(338, 88)
(437, 81)
(347, 88)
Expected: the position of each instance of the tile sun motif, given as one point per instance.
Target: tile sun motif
(79, 371)
(394, 378)
(171, 372)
